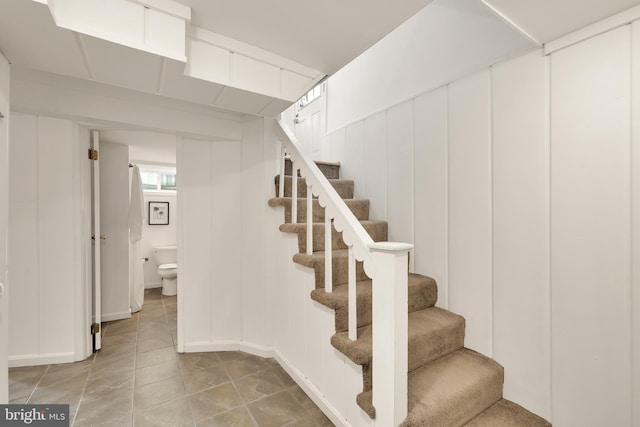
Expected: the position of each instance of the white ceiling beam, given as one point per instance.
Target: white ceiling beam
(127, 22)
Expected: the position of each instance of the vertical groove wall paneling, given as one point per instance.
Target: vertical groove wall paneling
(195, 174)
(400, 135)
(590, 244)
(470, 276)
(254, 250)
(430, 193)
(375, 130)
(521, 229)
(635, 224)
(354, 166)
(226, 169)
(55, 228)
(24, 305)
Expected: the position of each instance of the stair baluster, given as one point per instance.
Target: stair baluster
(294, 193)
(328, 267)
(353, 314)
(309, 220)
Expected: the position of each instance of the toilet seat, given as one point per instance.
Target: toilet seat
(167, 266)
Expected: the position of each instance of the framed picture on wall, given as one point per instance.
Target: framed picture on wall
(158, 213)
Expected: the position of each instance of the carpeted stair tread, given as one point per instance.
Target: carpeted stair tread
(359, 207)
(453, 390)
(378, 230)
(329, 169)
(344, 187)
(422, 293)
(433, 333)
(339, 264)
(505, 413)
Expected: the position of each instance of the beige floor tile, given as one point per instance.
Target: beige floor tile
(192, 361)
(108, 382)
(154, 344)
(22, 381)
(154, 357)
(124, 420)
(155, 373)
(226, 356)
(261, 384)
(245, 366)
(214, 401)
(238, 417)
(277, 410)
(104, 407)
(159, 392)
(176, 413)
(201, 379)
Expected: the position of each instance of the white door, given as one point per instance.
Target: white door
(97, 241)
(4, 226)
(308, 127)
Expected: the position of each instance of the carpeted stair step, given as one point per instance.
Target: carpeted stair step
(344, 187)
(422, 293)
(340, 266)
(449, 391)
(359, 207)
(378, 230)
(331, 170)
(433, 333)
(505, 413)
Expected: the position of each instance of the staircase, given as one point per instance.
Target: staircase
(448, 385)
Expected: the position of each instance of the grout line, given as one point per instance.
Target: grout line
(37, 384)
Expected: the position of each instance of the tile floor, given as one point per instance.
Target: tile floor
(137, 379)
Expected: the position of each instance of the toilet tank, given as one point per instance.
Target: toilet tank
(165, 255)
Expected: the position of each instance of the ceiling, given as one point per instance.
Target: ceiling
(546, 20)
(324, 36)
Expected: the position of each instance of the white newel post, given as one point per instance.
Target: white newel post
(390, 331)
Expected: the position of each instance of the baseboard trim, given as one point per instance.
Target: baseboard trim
(116, 316)
(40, 359)
(153, 285)
(311, 390)
(256, 350)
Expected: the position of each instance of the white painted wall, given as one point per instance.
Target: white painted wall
(157, 235)
(4, 226)
(210, 247)
(46, 240)
(114, 224)
(523, 202)
(433, 51)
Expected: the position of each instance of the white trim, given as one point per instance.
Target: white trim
(615, 21)
(116, 316)
(506, 19)
(250, 51)
(168, 7)
(231, 345)
(310, 389)
(153, 285)
(40, 359)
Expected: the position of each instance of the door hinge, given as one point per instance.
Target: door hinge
(95, 328)
(93, 154)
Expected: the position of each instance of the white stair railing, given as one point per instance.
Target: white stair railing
(385, 262)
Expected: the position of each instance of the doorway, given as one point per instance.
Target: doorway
(119, 259)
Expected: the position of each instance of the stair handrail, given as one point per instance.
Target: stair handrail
(353, 233)
(385, 262)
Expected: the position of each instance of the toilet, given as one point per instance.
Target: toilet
(166, 258)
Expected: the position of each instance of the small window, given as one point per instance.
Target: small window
(155, 178)
(310, 96)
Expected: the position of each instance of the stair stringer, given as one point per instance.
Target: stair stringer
(302, 344)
